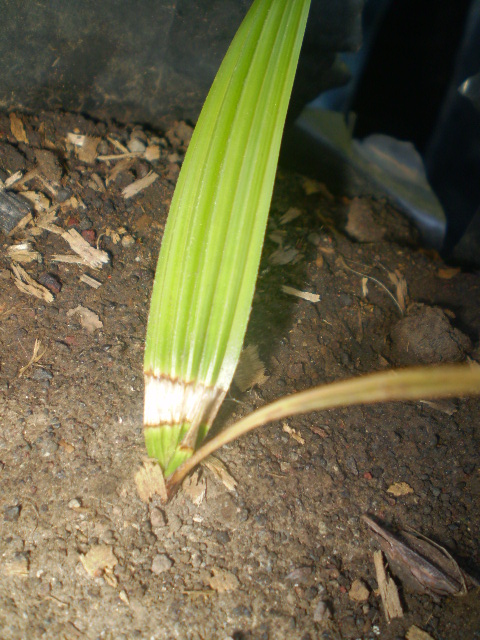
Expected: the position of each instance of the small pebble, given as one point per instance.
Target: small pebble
(358, 591)
(157, 518)
(42, 374)
(161, 563)
(12, 513)
(74, 503)
(322, 612)
(128, 240)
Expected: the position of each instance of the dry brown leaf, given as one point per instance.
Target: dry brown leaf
(250, 369)
(223, 580)
(98, 559)
(414, 633)
(150, 482)
(447, 273)
(17, 128)
(88, 319)
(398, 489)
(392, 607)
(421, 565)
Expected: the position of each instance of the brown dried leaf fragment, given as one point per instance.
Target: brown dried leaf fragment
(150, 482)
(250, 369)
(17, 128)
(99, 559)
(414, 633)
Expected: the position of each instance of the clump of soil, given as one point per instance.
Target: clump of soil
(284, 554)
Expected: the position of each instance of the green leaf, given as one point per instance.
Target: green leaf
(213, 239)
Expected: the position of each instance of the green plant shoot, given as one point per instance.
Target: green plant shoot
(213, 239)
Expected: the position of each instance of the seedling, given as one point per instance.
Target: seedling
(211, 250)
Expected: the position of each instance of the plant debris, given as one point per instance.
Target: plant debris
(305, 295)
(421, 565)
(28, 285)
(392, 607)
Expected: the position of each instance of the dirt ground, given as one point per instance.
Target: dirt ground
(285, 554)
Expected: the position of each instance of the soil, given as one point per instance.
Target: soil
(83, 557)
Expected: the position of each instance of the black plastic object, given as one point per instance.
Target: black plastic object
(151, 61)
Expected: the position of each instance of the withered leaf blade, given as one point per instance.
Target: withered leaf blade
(427, 568)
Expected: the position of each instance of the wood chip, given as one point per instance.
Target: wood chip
(67, 258)
(139, 185)
(415, 633)
(250, 369)
(292, 433)
(95, 284)
(91, 256)
(313, 186)
(120, 167)
(398, 489)
(150, 482)
(15, 212)
(284, 256)
(392, 607)
(17, 128)
(219, 470)
(13, 179)
(24, 253)
(28, 285)
(305, 295)
(400, 284)
(290, 215)
(88, 318)
(445, 406)
(76, 139)
(223, 581)
(15, 565)
(39, 201)
(447, 273)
